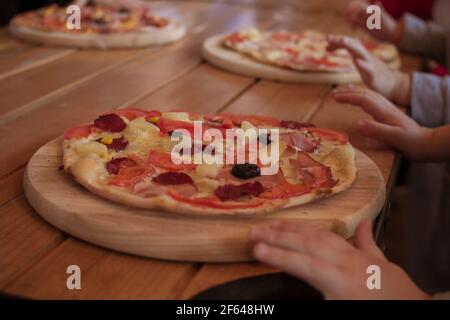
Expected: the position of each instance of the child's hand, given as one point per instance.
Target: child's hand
(390, 125)
(329, 263)
(356, 14)
(394, 85)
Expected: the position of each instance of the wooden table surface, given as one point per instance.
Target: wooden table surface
(45, 90)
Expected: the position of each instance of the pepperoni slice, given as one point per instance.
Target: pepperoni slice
(172, 178)
(328, 134)
(235, 192)
(78, 132)
(295, 125)
(118, 144)
(164, 160)
(110, 122)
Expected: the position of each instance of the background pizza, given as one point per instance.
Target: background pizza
(304, 51)
(125, 156)
(102, 25)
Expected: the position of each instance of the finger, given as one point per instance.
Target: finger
(314, 271)
(353, 45)
(365, 68)
(322, 244)
(388, 134)
(364, 240)
(374, 104)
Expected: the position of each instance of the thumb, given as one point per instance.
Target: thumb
(364, 240)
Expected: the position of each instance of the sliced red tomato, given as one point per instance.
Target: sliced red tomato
(163, 160)
(329, 134)
(78, 132)
(237, 119)
(284, 190)
(213, 202)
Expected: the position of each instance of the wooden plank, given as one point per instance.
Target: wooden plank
(282, 100)
(20, 93)
(211, 275)
(24, 58)
(204, 90)
(24, 239)
(11, 185)
(104, 275)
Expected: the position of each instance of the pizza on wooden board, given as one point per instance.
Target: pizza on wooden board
(103, 24)
(130, 156)
(305, 51)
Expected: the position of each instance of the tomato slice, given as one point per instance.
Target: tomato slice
(213, 202)
(78, 132)
(164, 160)
(284, 190)
(131, 172)
(329, 134)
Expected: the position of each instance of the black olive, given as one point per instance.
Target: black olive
(89, 3)
(124, 10)
(245, 171)
(264, 138)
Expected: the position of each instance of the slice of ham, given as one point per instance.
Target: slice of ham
(313, 173)
(299, 141)
(148, 188)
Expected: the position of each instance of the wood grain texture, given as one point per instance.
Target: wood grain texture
(155, 234)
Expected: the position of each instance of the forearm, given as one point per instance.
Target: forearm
(417, 36)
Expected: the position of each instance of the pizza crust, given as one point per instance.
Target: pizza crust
(215, 53)
(170, 33)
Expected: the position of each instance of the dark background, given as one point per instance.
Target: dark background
(11, 7)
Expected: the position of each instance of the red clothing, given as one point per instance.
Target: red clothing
(420, 8)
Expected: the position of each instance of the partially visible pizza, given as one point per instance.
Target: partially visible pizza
(133, 157)
(102, 24)
(304, 51)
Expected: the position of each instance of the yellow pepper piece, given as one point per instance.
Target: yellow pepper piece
(107, 140)
(153, 119)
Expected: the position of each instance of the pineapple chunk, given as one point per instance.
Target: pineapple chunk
(245, 125)
(142, 126)
(180, 116)
(92, 147)
(207, 170)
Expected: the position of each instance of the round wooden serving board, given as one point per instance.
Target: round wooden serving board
(216, 54)
(71, 208)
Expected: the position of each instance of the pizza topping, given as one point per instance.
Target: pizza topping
(213, 202)
(300, 141)
(245, 171)
(328, 134)
(117, 144)
(92, 148)
(110, 122)
(172, 178)
(295, 125)
(114, 165)
(235, 192)
(237, 119)
(164, 160)
(78, 132)
(314, 173)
